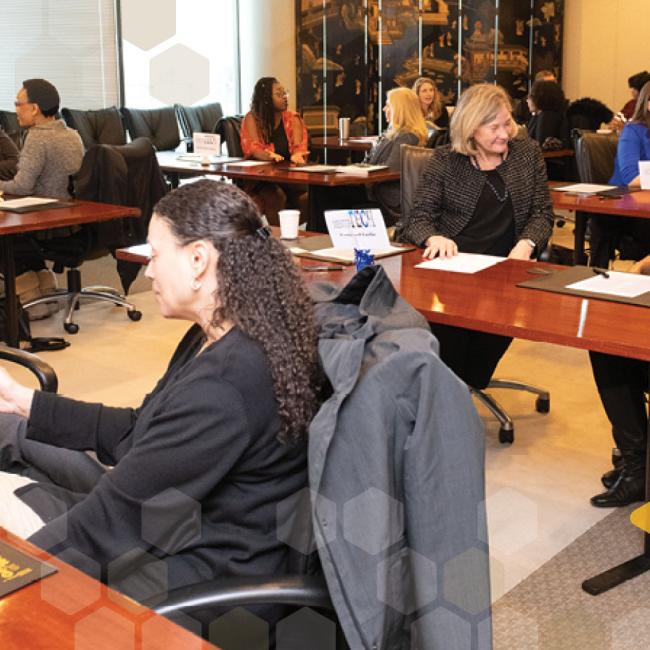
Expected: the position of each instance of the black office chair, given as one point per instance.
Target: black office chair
(438, 138)
(158, 125)
(123, 175)
(229, 128)
(202, 119)
(103, 126)
(44, 373)
(413, 162)
(9, 124)
(594, 159)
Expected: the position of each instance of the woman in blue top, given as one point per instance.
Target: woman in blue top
(607, 231)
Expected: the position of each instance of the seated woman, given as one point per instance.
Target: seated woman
(483, 193)
(622, 384)
(405, 126)
(547, 105)
(8, 157)
(433, 109)
(198, 469)
(608, 231)
(272, 132)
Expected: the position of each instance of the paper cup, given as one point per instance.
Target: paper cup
(289, 220)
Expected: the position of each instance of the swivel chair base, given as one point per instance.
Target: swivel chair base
(73, 295)
(506, 426)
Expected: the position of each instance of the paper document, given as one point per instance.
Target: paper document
(197, 158)
(26, 202)
(644, 173)
(626, 285)
(583, 188)
(319, 169)
(249, 163)
(347, 254)
(461, 263)
(140, 249)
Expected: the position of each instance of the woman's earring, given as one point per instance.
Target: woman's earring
(196, 285)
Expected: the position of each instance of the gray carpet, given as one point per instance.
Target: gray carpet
(550, 611)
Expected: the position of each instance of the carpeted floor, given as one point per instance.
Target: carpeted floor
(550, 611)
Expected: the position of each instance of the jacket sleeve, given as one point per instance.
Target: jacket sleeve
(30, 167)
(191, 443)
(539, 225)
(629, 153)
(251, 141)
(8, 157)
(297, 133)
(427, 205)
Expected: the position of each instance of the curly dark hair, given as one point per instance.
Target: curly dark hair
(638, 80)
(262, 106)
(548, 96)
(259, 289)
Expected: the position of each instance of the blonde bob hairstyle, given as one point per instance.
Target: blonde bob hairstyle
(405, 114)
(477, 106)
(436, 107)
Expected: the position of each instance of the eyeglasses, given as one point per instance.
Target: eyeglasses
(17, 104)
(281, 93)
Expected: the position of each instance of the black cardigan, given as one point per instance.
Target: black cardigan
(450, 187)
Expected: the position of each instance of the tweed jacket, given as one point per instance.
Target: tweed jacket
(451, 186)
(396, 470)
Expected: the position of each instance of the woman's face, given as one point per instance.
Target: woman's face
(280, 98)
(426, 93)
(388, 111)
(492, 138)
(173, 270)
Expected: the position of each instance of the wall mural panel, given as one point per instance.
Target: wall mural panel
(351, 51)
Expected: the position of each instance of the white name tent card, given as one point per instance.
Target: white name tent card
(363, 229)
(206, 144)
(644, 173)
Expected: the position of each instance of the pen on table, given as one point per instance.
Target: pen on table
(600, 272)
(322, 268)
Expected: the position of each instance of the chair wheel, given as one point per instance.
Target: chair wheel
(134, 315)
(71, 328)
(506, 436)
(542, 405)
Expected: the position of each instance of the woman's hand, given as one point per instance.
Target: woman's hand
(14, 397)
(274, 157)
(643, 266)
(439, 246)
(522, 251)
(299, 157)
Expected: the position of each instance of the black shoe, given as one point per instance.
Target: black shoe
(625, 490)
(609, 478)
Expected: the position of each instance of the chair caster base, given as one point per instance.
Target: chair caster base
(134, 314)
(543, 405)
(506, 436)
(71, 328)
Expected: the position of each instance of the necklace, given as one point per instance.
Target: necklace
(500, 198)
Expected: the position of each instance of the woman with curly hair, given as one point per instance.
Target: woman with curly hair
(273, 133)
(433, 110)
(189, 481)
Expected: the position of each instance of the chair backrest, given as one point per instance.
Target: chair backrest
(9, 124)
(103, 126)
(594, 155)
(229, 128)
(438, 138)
(202, 119)
(158, 125)
(413, 161)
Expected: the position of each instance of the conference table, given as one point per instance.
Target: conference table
(73, 213)
(69, 610)
(282, 173)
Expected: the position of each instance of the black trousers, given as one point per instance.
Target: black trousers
(629, 235)
(472, 355)
(621, 384)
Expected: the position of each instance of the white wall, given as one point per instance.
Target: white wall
(267, 32)
(605, 41)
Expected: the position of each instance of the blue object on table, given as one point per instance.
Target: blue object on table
(363, 257)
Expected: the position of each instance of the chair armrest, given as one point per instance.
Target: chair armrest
(44, 372)
(304, 591)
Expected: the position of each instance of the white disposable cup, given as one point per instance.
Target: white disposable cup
(289, 220)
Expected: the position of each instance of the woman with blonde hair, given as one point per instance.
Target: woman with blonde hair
(431, 104)
(486, 193)
(405, 126)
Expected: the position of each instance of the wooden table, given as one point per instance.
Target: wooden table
(636, 204)
(280, 173)
(69, 610)
(14, 223)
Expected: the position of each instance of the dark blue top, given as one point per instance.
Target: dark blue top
(633, 146)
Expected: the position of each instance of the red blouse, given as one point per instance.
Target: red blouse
(250, 137)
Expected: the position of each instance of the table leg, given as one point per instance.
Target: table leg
(11, 301)
(579, 231)
(636, 566)
(316, 219)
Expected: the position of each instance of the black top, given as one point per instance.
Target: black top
(491, 230)
(198, 470)
(8, 157)
(280, 142)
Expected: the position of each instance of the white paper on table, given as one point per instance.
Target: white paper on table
(140, 249)
(27, 202)
(320, 169)
(461, 263)
(625, 285)
(347, 254)
(583, 188)
(644, 173)
(249, 163)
